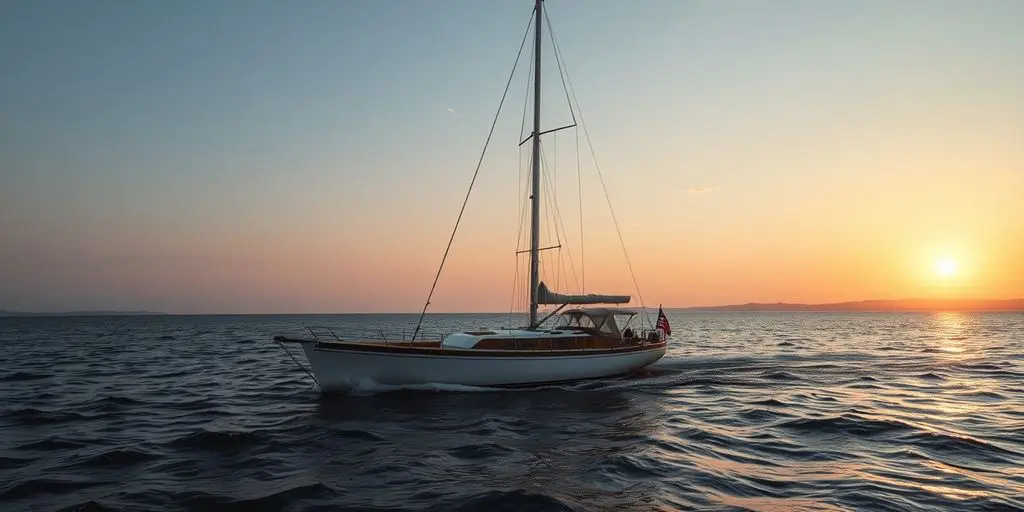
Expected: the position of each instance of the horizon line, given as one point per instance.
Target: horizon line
(1017, 303)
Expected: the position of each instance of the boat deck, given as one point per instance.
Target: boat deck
(589, 347)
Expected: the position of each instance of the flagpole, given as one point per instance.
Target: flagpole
(657, 325)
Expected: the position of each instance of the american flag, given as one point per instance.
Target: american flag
(662, 324)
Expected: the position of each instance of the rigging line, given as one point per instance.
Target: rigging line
(551, 209)
(579, 189)
(558, 218)
(519, 235)
(515, 278)
(512, 303)
(297, 363)
(597, 166)
(611, 210)
(522, 127)
(515, 275)
(562, 74)
(522, 214)
(552, 206)
(559, 224)
(475, 173)
(520, 188)
(523, 211)
(519, 227)
(526, 97)
(559, 64)
(546, 197)
(554, 193)
(561, 272)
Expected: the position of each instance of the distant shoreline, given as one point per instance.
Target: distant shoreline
(866, 306)
(20, 314)
(876, 306)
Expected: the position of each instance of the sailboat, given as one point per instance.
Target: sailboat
(589, 342)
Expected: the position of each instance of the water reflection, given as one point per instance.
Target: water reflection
(568, 444)
(950, 327)
(747, 411)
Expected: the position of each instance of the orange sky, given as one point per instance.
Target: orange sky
(752, 154)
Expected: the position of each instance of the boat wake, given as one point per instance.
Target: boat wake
(675, 371)
(369, 387)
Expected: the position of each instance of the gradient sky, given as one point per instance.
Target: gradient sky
(257, 156)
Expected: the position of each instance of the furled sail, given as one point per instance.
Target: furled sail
(545, 296)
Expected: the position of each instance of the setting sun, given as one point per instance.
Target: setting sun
(946, 266)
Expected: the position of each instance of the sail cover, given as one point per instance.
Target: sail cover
(545, 296)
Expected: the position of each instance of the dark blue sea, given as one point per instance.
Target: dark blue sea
(748, 411)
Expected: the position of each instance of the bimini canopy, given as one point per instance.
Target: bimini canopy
(545, 296)
(602, 319)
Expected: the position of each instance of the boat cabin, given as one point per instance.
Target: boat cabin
(582, 328)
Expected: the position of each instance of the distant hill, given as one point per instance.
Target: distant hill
(878, 306)
(4, 312)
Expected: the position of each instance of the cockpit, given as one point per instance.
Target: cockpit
(606, 321)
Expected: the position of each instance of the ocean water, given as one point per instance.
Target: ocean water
(747, 411)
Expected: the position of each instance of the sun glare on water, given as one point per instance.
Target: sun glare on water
(945, 266)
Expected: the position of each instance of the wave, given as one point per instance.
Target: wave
(479, 451)
(984, 394)
(14, 462)
(760, 415)
(32, 416)
(280, 500)
(172, 374)
(369, 387)
(851, 424)
(778, 408)
(38, 486)
(217, 441)
(88, 506)
(115, 458)
(966, 446)
(111, 404)
(361, 435)
(770, 402)
(781, 375)
(506, 501)
(23, 376)
(54, 443)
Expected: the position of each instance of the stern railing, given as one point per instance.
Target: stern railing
(327, 334)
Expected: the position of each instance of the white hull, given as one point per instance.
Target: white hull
(343, 369)
(589, 345)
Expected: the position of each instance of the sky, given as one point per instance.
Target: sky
(311, 157)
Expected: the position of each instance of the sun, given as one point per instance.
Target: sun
(945, 266)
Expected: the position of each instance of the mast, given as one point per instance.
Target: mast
(535, 196)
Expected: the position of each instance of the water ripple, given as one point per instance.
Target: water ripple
(763, 411)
